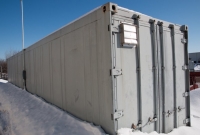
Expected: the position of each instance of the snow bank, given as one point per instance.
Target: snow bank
(3, 81)
(22, 113)
(197, 67)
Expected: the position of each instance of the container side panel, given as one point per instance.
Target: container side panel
(51, 72)
(62, 64)
(46, 72)
(75, 74)
(22, 83)
(71, 69)
(42, 72)
(94, 72)
(31, 70)
(38, 71)
(11, 69)
(88, 73)
(56, 72)
(18, 76)
(20, 71)
(16, 71)
(34, 85)
(104, 78)
(27, 68)
(67, 39)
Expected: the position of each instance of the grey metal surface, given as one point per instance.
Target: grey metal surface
(84, 69)
(159, 81)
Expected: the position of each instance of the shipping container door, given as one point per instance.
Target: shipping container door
(172, 60)
(134, 77)
(181, 77)
(166, 85)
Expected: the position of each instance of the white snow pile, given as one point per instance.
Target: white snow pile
(197, 67)
(22, 113)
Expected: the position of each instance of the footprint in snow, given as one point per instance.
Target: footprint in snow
(196, 116)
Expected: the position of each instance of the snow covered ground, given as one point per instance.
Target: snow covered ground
(197, 68)
(22, 113)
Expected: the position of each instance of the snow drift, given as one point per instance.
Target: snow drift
(22, 113)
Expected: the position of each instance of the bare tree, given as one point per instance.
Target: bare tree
(3, 62)
(3, 66)
(10, 53)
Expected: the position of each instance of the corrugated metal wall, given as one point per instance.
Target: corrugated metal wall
(15, 68)
(71, 69)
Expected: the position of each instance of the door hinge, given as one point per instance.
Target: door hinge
(154, 68)
(116, 72)
(168, 113)
(152, 120)
(185, 94)
(185, 121)
(118, 114)
(183, 40)
(185, 67)
(139, 125)
(180, 108)
(113, 28)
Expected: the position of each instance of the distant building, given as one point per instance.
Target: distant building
(195, 57)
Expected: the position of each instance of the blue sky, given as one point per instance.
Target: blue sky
(42, 17)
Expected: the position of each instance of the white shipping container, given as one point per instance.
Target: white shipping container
(114, 67)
